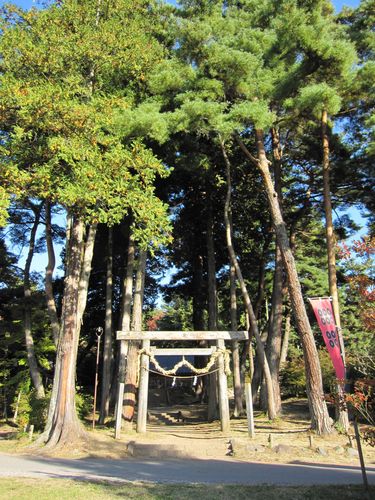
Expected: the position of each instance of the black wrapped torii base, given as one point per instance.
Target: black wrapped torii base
(147, 337)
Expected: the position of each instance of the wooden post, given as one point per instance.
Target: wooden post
(99, 332)
(249, 407)
(270, 440)
(143, 390)
(17, 406)
(223, 391)
(360, 453)
(120, 399)
(31, 432)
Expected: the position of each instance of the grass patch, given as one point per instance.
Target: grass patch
(51, 489)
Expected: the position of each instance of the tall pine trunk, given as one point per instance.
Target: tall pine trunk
(285, 343)
(342, 414)
(126, 307)
(29, 341)
(274, 339)
(246, 297)
(273, 348)
(237, 387)
(213, 408)
(132, 361)
(107, 352)
(320, 420)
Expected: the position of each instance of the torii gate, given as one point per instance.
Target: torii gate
(147, 337)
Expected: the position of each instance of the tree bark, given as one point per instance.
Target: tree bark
(29, 341)
(320, 420)
(211, 270)
(88, 252)
(341, 413)
(43, 438)
(198, 297)
(238, 404)
(51, 304)
(246, 297)
(273, 349)
(126, 306)
(132, 362)
(213, 410)
(107, 351)
(65, 425)
(284, 348)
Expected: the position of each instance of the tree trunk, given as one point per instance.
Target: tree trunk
(213, 409)
(318, 409)
(256, 380)
(238, 404)
(341, 413)
(198, 297)
(65, 425)
(43, 438)
(249, 307)
(29, 341)
(88, 252)
(107, 352)
(284, 348)
(126, 306)
(273, 348)
(132, 362)
(51, 304)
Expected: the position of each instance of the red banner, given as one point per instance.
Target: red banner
(324, 315)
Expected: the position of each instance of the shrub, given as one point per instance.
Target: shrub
(84, 404)
(293, 378)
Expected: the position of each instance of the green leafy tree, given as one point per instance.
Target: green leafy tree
(66, 73)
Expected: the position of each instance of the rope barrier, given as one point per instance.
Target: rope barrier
(197, 371)
(183, 376)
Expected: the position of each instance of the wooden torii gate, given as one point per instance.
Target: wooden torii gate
(148, 336)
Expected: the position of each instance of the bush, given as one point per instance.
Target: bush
(31, 410)
(34, 411)
(84, 404)
(293, 378)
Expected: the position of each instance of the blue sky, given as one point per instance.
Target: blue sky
(29, 3)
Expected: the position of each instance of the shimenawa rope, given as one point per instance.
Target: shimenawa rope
(184, 362)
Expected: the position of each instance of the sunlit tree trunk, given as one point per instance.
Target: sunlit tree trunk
(132, 361)
(237, 387)
(126, 307)
(342, 413)
(246, 297)
(29, 341)
(51, 304)
(320, 419)
(65, 426)
(107, 351)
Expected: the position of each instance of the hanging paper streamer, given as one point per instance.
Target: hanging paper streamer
(324, 314)
(174, 381)
(195, 381)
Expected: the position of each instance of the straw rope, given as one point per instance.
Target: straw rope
(184, 362)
